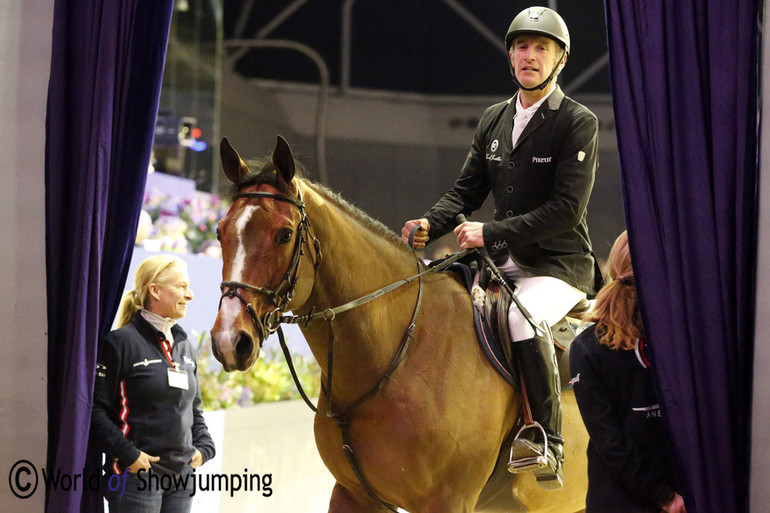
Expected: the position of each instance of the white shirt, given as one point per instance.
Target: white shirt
(523, 115)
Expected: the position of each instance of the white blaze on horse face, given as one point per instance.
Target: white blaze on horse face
(239, 262)
(230, 307)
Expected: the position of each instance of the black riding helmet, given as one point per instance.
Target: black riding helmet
(542, 21)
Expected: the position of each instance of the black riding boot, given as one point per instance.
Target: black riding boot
(538, 445)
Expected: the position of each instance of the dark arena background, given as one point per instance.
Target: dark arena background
(380, 103)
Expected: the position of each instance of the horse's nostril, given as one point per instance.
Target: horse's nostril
(244, 346)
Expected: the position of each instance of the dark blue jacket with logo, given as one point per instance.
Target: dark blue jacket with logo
(541, 189)
(630, 468)
(136, 410)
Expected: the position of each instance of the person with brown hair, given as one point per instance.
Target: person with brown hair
(630, 468)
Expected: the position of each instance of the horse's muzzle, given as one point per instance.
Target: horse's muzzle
(234, 350)
(237, 335)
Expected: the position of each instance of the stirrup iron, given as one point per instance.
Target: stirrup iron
(531, 463)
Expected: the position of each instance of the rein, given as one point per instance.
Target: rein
(271, 322)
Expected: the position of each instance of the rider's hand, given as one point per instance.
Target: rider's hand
(470, 235)
(420, 237)
(143, 462)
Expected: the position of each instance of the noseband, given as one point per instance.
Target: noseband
(283, 294)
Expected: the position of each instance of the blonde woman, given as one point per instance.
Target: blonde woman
(146, 415)
(629, 465)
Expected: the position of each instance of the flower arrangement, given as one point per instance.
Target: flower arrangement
(202, 214)
(183, 225)
(269, 380)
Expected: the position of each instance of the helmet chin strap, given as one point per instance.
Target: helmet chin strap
(554, 73)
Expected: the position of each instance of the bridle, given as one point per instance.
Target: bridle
(284, 292)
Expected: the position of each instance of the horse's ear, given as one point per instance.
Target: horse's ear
(283, 159)
(234, 167)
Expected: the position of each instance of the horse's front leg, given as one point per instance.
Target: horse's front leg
(342, 501)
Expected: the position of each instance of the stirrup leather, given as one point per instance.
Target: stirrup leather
(535, 462)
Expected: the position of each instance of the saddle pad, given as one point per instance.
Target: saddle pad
(489, 345)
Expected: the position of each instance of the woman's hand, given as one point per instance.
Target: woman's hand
(143, 462)
(675, 505)
(197, 459)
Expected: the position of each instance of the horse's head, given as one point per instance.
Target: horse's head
(268, 262)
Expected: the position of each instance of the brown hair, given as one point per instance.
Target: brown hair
(151, 270)
(616, 312)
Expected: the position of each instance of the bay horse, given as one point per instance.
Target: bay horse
(411, 414)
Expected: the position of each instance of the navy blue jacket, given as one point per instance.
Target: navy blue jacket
(136, 410)
(630, 469)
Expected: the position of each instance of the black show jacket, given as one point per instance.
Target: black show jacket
(541, 189)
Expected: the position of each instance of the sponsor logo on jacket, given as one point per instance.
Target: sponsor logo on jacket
(146, 362)
(541, 160)
(493, 148)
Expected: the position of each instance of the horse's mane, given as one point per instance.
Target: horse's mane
(356, 213)
(265, 172)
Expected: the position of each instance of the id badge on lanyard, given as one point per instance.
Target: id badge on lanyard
(177, 378)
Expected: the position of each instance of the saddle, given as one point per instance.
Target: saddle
(497, 301)
(491, 320)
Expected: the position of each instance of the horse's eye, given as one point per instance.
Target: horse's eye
(283, 236)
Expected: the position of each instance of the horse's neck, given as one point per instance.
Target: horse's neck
(355, 262)
(355, 259)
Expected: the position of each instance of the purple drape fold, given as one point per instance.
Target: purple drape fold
(684, 86)
(106, 71)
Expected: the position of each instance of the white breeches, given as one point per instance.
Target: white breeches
(545, 297)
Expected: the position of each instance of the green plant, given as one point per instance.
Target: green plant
(268, 380)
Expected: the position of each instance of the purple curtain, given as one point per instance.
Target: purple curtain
(684, 85)
(106, 71)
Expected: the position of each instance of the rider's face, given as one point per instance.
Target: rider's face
(533, 58)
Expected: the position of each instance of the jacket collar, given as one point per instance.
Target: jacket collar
(151, 333)
(554, 101)
(550, 105)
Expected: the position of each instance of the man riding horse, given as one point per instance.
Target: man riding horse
(537, 152)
